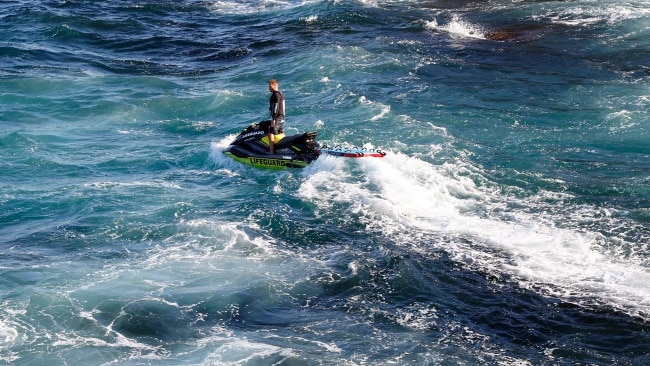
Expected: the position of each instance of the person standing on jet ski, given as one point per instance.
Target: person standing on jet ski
(276, 108)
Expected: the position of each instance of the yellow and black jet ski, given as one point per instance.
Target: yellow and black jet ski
(251, 147)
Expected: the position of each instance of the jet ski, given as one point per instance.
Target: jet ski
(251, 147)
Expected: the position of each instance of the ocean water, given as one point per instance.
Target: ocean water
(509, 223)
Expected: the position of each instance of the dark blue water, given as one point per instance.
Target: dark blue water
(508, 224)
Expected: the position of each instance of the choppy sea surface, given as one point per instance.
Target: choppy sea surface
(509, 223)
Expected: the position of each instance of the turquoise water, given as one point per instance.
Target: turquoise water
(508, 224)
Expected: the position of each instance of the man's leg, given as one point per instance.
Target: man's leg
(272, 143)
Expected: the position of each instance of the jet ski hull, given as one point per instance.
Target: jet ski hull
(271, 161)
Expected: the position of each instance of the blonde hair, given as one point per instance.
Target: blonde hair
(273, 82)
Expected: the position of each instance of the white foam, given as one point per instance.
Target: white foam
(383, 109)
(310, 19)
(226, 349)
(13, 331)
(219, 158)
(416, 316)
(457, 27)
(624, 120)
(8, 333)
(590, 14)
(407, 198)
(151, 184)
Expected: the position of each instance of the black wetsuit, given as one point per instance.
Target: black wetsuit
(277, 112)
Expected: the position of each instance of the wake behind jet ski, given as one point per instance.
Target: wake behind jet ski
(251, 147)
